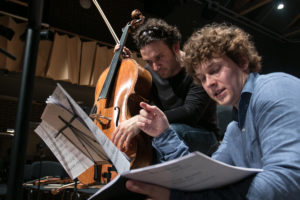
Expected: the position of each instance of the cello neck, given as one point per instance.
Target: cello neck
(114, 66)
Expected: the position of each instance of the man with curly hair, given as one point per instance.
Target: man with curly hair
(265, 132)
(188, 108)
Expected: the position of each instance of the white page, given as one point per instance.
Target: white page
(73, 161)
(63, 100)
(77, 133)
(117, 157)
(195, 171)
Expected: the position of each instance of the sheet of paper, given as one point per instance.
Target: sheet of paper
(99, 148)
(193, 172)
(73, 161)
(74, 130)
(117, 157)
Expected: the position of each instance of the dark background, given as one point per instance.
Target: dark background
(276, 34)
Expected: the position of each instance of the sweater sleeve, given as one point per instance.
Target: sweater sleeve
(195, 104)
(169, 146)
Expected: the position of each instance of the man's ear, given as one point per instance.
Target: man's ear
(244, 63)
(176, 48)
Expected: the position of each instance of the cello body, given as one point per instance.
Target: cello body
(132, 85)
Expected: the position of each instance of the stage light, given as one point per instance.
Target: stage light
(280, 6)
(86, 4)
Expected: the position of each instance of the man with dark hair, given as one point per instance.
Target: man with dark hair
(265, 132)
(173, 91)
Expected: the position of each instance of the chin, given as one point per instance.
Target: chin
(163, 76)
(222, 102)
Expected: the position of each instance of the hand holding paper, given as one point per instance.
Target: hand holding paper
(153, 192)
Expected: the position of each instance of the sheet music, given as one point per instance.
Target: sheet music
(117, 157)
(193, 172)
(73, 161)
(83, 140)
(76, 132)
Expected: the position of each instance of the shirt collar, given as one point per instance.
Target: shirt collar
(240, 114)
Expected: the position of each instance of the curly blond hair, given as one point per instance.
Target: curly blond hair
(216, 40)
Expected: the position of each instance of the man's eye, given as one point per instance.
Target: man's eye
(214, 70)
(158, 58)
(202, 79)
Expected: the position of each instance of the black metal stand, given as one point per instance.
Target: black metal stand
(75, 195)
(16, 172)
(41, 148)
(107, 175)
(77, 133)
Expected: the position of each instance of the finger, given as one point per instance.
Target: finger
(146, 106)
(127, 51)
(146, 119)
(139, 187)
(117, 47)
(125, 54)
(152, 191)
(113, 138)
(141, 126)
(146, 114)
(150, 109)
(122, 140)
(146, 128)
(117, 136)
(128, 141)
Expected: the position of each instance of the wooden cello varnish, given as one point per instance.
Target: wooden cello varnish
(119, 90)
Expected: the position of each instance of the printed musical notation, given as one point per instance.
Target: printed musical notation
(73, 137)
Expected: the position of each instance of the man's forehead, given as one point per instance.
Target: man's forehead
(205, 65)
(199, 69)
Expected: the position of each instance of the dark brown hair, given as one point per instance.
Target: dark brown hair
(155, 30)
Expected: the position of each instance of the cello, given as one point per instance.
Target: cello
(119, 90)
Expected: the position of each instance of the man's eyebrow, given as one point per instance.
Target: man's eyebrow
(198, 74)
(207, 67)
(159, 54)
(213, 63)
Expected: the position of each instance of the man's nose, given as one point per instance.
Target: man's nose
(155, 67)
(210, 81)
